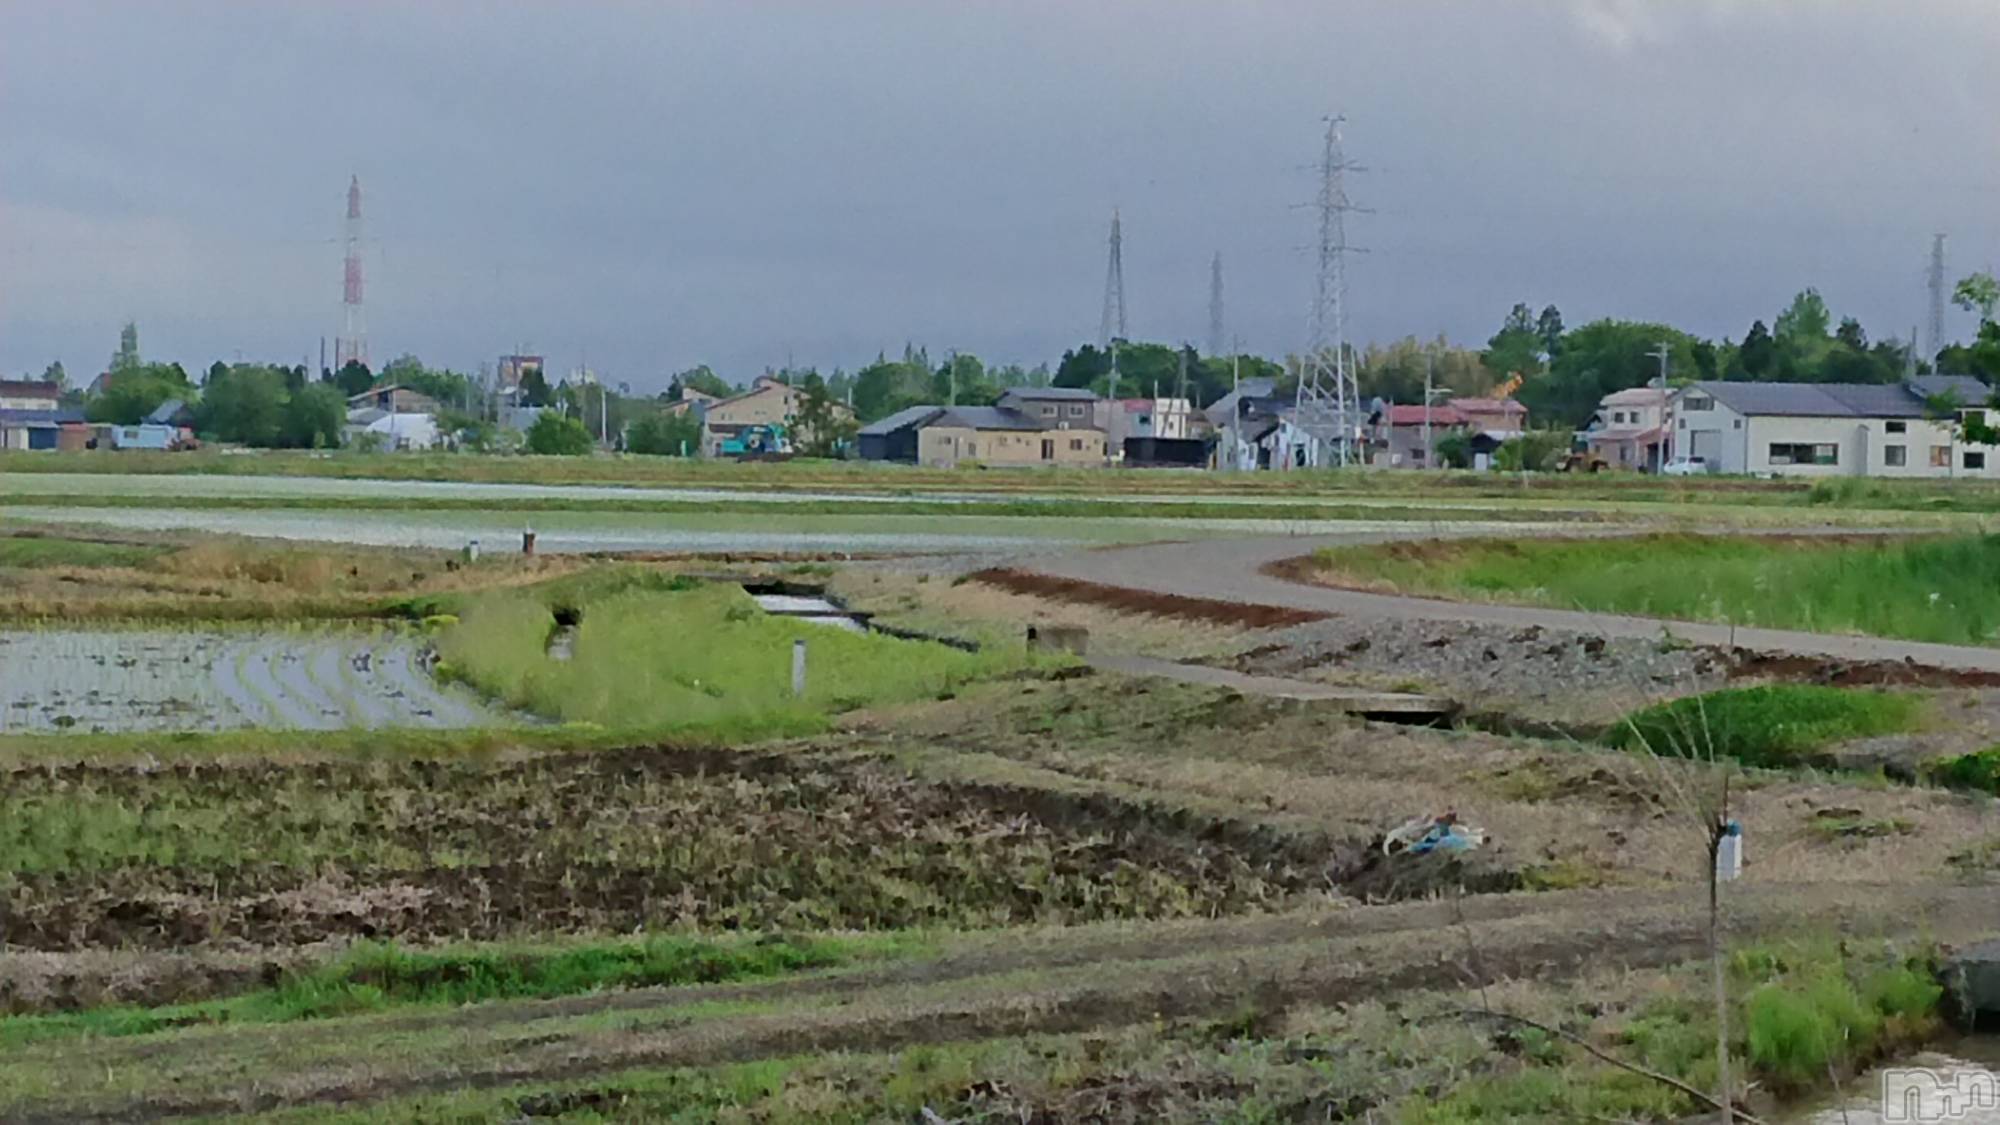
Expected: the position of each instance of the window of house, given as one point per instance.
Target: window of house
(971, 448)
(1048, 410)
(1697, 402)
(1684, 423)
(1736, 425)
(1145, 420)
(1895, 427)
(1618, 417)
(1076, 410)
(1940, 456)
(1076, 444)
(1799, 453)
(1048, 449)
(1975, 459)
(1894, 456)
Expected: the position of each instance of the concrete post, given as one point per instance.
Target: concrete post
(528, 544)
(799, 668)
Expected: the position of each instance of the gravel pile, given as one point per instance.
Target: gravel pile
(1477, 664)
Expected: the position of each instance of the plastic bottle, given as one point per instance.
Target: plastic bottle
(1729, 852)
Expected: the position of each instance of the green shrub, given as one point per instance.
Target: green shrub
(1773, 725)
(1979, 770)
(1795, 1031)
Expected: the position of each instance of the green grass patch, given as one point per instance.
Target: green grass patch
(1773, 725)
(1935, 588)
(1799, 1010)
(653, 654)
(36, 551)
(379, 976)
(1978, 771)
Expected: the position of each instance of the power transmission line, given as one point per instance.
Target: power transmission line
(1329, 401)
(1113, 324)
(1937, 296)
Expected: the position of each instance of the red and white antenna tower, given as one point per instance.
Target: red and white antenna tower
(352, 344)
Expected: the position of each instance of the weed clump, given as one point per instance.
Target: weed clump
(1774, 725)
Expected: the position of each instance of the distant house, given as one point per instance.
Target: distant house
(51, 429)
(1497, 416)
(1396, 435)
(1003, 436)
(1263, 434)
(394, 398)
(18, 394)
(1629, 430)
(768, 402)
(1169, 418)
(894, 438)
(1834, 429)
(1058, 408)
(395, 431)
(691, 400)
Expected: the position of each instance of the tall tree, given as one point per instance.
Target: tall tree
(353, 378)
(699, 378)
(1978, 293)
(823, 428)
(1851, 334)
(54, 373)
(1758, 352)
(1549, 326)
(535, 388)
(126, 358)
(1517, 347)
(1599, 358)
(1806, 320)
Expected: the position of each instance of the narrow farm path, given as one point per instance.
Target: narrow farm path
(1236, 571)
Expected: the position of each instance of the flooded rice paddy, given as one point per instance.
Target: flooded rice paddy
(184, 680)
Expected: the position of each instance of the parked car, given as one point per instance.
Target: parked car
(1687, 467)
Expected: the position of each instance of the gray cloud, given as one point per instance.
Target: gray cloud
(660, 185)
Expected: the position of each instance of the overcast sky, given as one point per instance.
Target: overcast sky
(655, 185)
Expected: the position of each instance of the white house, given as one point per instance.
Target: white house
(394, 431)
(1832, 429)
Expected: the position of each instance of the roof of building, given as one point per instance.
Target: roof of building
(366, 415)
(1837, 400)
(1968, 390)
(1413, 415)
(167, 412)
(1487, 406)
(29, 388)
(1080, 394)
(985, 418)
(40, 419)
(901, 419)
(1635, 396)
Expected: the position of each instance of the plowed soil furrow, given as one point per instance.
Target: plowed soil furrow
(1185, 971)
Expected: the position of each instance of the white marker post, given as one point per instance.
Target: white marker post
(799, 668)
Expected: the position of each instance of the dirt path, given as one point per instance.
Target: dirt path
(1234, 571)
(1009, 984)
(1357, 701)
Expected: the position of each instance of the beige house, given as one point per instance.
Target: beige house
(1001, 437)
(768, 402)
(1630, 429)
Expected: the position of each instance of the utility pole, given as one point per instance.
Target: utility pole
(1112, 408)
(1112, 327)
(1937, 298)
(1328, 398)
(1661, 353)
(1430, 365)
(951, 378)
(1215, 304)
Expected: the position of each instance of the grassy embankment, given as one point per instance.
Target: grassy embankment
(1943, 588)
(653, 653)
